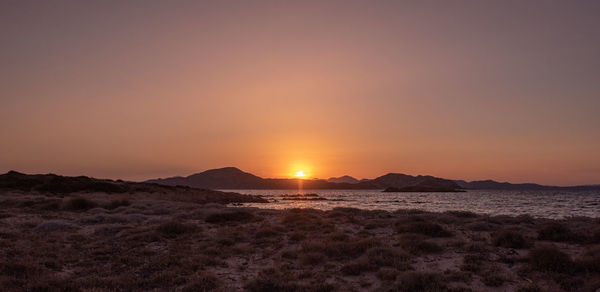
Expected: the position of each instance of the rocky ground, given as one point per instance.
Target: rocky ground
(167, 242)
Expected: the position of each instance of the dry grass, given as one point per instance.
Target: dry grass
(557, 232)
(550, 259)
(78, 204)
(420, 281)
(174, 228)
(418, 245)
(99, 242)
(424, 228)
(231, 216)
(509, 239)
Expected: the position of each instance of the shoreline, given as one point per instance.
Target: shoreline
(141, 241)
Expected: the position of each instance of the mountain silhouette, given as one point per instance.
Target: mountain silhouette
(234, 178)
(343, 179)
(494, 185)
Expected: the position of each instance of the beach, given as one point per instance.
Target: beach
(93, 241)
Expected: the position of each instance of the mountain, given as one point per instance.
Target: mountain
(343, 179)
(234, 178)
(57, 185)
(494, 185)
(231, 177)
(398, 180)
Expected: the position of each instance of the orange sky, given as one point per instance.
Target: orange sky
(507, 90)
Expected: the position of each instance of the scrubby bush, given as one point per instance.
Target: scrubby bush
(531, 287)
(78, 204)
(416, 244)
(549, 259)
(509, 239)
(425, 228)
(230, 216)
(271, 280)
(590, 261)
(116, 204)
(457, 276)
(472, 263)
(386, 257)
(202, 282)
(479, 226)
(462, 214)
(556, 232)
(419, 281)
(266, 232)
(297, 236)
(493, 277)
(174, 228)
(311, 258)
(340, 249)
(356, 268)
(387, 274)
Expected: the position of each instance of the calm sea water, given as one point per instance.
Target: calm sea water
(549, 204)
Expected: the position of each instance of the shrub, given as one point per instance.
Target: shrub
(387, 274)
(509, 239)
(202, 282)
(417, 245)
(385, 257)
(425, 228)
(266, 232)
(556, 232)
(232, 216)
(271, 280)
(419, 281)
(116, 204)
(173, 228)
(531, 287)
(549, 259)
(340, 249)
(289, 254)
(568, 282)
(17, 270)
(472, 263)
(311, 258)
(590, 261)
(457, 276)
(493, 278)
(78, 204)
(462, 214)
(479, 226)
(356, 268)
(297, 236)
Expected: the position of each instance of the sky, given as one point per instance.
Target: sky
(503, 90)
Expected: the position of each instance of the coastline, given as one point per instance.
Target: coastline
(143, 241)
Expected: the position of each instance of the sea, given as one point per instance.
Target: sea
(545, 204)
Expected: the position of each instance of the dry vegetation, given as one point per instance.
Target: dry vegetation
(157, 241)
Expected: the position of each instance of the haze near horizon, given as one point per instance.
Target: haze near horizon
(503, 90)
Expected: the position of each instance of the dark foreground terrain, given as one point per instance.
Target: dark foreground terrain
(170, 241)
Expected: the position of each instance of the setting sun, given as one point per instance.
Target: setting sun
(300, 174)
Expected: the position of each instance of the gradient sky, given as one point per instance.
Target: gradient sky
(507, 90)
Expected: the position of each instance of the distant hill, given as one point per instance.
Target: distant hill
(234, 178)
(343, 179)
(494, 185)
(58, 185)
(398, 180)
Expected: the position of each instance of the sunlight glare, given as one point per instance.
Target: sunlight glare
(300, 174)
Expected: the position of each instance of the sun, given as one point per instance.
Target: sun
(300, 174)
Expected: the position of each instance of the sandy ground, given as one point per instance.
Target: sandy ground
(157, 242)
